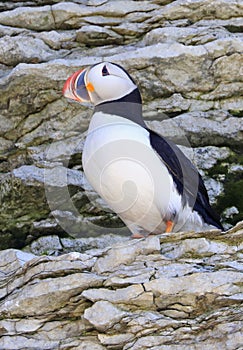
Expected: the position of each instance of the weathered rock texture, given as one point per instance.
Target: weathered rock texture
(185, 56)
(169, 292)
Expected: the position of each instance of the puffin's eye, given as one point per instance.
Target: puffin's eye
(105, 71)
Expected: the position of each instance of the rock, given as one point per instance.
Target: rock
(176, 288)
(58, 39)
(83, 244)
(200, 284)
(229, 212)
(195, 11)
(201, 129)
(24, 49)
(125, 253)
(29, 17)
(75, 15)
(196, 34)
(21, 204)
(207, 157)
(132, 295)
(46, 245)
(55, 245)
(95, 35)
(13, 259)
(115, 339)
(32, 301)
(95, 315)
(215, 189)
(51, 190)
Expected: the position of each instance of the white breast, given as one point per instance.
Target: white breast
(126, 172)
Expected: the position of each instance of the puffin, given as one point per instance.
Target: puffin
(143, 177)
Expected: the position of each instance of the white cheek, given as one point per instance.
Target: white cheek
(112, 87)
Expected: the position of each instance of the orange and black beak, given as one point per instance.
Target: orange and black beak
(75, 87)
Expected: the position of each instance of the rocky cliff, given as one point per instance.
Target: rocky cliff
(179, 291)
(185, 56)
(80, 282)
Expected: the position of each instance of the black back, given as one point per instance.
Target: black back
(187, 179)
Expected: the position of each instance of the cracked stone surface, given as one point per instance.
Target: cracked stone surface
(186, 57)
(173, 291)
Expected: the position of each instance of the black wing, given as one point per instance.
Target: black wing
(187, 179)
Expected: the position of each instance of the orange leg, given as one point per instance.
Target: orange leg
(137, 235)
(169, 226)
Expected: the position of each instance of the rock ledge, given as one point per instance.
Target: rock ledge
(173, 291)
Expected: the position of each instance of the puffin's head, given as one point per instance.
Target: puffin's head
(99, 83)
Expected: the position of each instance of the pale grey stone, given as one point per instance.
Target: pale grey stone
(95, 35)
(232, 24)
(86, 345)
(195, 10)
(134, 277)
(72, 14)
(215, 188)
(200, 129)
(206, 157)
(58, 39)
(95, 315)
(12, 259)
(14, 50)
(29, 17)
(219, 284)
(58, 151)
(23, 342)
(230, 212)
(200, 247)
(10, 31)
(33, 301)
(46, 245)
(84, 244)
(133, 295)
(58, 176)
(188, 35)
(157, 109)
(115, 339)
(235, 168)
(217, 130)
(169, 128)
(126, 253)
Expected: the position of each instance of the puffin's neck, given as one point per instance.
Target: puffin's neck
(129, 106)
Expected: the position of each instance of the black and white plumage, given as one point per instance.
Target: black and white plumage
(145, 178)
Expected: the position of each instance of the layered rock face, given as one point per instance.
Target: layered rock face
(101, 290)
(166, 292)
(185, 57)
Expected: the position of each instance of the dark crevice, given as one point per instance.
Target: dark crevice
(234, 29)
(174, 114)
